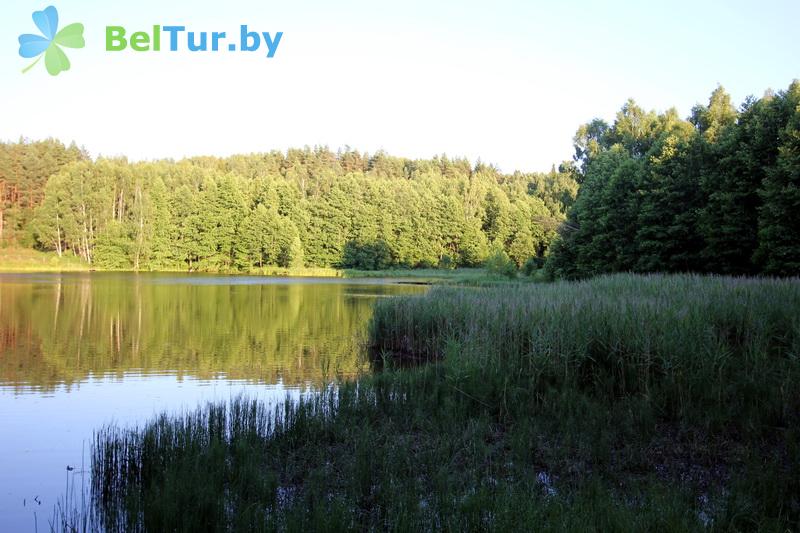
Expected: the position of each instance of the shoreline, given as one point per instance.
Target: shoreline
(24, 261)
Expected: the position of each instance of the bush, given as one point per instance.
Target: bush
(532, 265)
(499, 262)
(367, 255)
(447, 262)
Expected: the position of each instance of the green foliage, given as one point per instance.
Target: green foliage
(473, 245)
(375, 255)
(779, 214)
(112, 248)
(305, 207)
(532, 266)
(267, 238)
(25, 167)
(446, 263)
(732, 173)
(499, 262)
(715, 193)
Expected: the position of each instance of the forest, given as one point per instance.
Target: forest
(717, 192)
(307, 207)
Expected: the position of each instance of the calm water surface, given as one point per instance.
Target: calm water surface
(78, 351)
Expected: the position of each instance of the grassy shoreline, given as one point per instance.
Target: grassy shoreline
(31, 261)
(27, 260)
(664, 403)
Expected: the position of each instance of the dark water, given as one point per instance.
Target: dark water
(78, 351)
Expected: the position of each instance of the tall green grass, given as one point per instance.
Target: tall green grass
(661, 403)
(710, 350)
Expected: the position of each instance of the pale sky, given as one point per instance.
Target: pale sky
(505, 81)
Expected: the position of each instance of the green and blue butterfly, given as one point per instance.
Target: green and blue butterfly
(51, 41)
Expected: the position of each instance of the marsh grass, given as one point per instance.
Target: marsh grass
(661, 403)
(713, 351)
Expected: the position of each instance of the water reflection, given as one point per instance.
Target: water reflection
(81, 350)
(62, 328)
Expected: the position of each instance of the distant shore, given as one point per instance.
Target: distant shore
(27, 260)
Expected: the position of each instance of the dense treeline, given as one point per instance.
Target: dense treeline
(719, 192)
(309, 207)
(24, 170)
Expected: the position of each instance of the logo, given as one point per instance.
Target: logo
(50, 42)
(175, 38)
(193, 41)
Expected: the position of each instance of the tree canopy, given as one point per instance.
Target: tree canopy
(305, 207)
(716, 193)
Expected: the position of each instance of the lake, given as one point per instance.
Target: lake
(81, 350)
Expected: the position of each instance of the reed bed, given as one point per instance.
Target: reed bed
(711, 350)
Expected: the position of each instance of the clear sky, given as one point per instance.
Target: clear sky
(506, 81)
